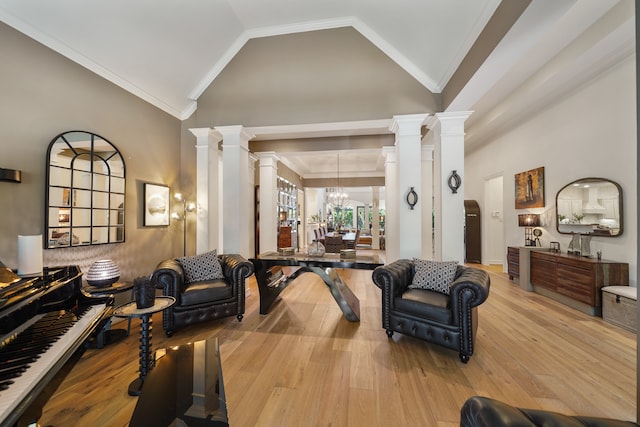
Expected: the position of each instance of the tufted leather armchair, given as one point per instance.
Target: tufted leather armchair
(447, 320)
(480, 411)
(203, 300)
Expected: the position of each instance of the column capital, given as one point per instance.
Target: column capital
(390, 154)
(451, 122)
(407, 123)
(268, 159)
(205, 136)
(238, 131)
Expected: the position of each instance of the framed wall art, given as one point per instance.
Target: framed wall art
(529, 188)
(156, 205)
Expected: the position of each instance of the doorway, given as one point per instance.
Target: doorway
(493, 245)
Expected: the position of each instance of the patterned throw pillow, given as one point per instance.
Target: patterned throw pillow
(434, 275)
(201, 267)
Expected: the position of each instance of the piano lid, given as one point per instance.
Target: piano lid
(7, 277)
(10, 282)
(12, 286)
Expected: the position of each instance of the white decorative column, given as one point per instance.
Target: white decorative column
(207, 156)
(408, 130)
(427, 202)
(375, 217)
(391, 228)
(236, 200)
(268, 208)
(251, 218)
(448, 141)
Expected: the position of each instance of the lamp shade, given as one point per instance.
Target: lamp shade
(529, 220)
(30, 255)
(103, 273)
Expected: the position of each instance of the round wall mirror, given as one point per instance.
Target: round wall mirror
(84, 197)
(590, 206)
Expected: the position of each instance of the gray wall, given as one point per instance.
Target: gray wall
(320, 76)
(44, 94)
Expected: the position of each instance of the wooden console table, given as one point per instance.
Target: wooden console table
(575, 280)
(513, 263)
(322, 266)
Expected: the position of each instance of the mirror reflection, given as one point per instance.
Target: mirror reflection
(85, 191)
(590, 206)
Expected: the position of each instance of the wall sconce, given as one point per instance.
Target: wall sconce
(529, 221)
(412, 198)
(454, 182)
(10, 175)
(186, 207)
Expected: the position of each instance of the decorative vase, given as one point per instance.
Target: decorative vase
(103, 273)
(585, 246)
(144, 292)
(316, 249)
(574, 244)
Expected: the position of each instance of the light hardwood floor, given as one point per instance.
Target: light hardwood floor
(304, 364)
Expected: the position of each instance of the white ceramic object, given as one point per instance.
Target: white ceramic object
(103, 273)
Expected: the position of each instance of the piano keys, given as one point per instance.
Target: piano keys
(43, 322)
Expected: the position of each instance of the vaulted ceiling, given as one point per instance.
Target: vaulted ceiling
(168, 52)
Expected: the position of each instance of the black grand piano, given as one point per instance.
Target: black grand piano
(44, 321)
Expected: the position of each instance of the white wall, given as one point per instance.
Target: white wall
(588, 133)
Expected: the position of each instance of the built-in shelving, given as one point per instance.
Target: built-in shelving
(287, 213)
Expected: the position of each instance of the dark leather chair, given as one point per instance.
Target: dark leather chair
(333, 244)
(447, 320)
(480, 411)
(203, 300)
(351, 244)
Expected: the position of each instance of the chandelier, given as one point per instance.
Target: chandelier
(336, 196)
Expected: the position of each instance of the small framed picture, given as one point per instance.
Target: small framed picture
(156, 205)
(63, 216)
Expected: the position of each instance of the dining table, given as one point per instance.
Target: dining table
(346, 237)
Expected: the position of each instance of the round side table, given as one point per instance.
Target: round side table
(131, 310)
(104, 292)
(108, 335)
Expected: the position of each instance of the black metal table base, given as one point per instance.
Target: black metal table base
(323, 267)
(135, 388)
(130, 310)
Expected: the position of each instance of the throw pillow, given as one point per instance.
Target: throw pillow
(201, 267)
(434, 275)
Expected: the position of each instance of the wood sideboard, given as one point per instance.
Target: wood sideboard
(575, 280)
(284, 237)
(513, 262)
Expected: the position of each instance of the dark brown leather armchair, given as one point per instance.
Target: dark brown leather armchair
(203, 300)
(480, 411)
(447, 320)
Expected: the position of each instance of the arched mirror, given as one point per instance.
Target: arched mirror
(84, 197)
(590, 206)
